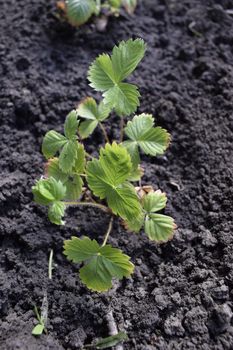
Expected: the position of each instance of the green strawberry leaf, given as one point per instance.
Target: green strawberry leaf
(101, 263)
(154, 201)
(67, 146)
(142, 133)
(47, 191)
(52, 143)
(73, 182)
(89, 110)
(107, 179)
(56, 212)
(50, 192)
(158, 227)
(106, 74)
(71, 125)
(87, 127)
(79, 11)
(68, 156)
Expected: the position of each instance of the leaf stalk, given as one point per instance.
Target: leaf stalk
(108, 231)
(122, 124)
(104, 132)
(90, 204)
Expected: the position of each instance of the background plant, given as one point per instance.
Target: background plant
(114, 178)
(78, 12)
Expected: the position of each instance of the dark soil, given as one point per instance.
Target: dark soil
(181, 295)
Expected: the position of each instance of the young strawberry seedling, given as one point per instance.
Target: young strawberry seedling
(78, 12)
(114, 178)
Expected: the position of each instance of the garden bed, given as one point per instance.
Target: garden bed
(180, 296)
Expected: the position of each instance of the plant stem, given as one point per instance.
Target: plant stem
(90, 204)
(104, 132)
(50, 264)
(108, 232)
(89, 155)
(85, 175)
(122, 129)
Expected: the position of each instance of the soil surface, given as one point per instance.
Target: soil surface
(181, 295)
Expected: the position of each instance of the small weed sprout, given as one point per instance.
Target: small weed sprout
(114, 178)
(41, 318)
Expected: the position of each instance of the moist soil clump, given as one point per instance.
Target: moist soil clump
(180, 296)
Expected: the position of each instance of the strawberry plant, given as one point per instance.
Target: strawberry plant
(112, 182)
(78, 12)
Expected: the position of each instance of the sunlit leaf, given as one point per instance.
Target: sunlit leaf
(142, 133)
(107, 73)
(101, 263)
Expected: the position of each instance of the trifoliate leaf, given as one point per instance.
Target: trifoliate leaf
(111, 341)
(68, 156)
(79, 11)
(52, 143)
(154, 201)
(73, 182)
(47, 191)
(142, 133)
(107, 73)
(101, 264)
(129, 5)
(67, 145)
(107, 179)
(56, 212)
(38, 329)
(88, 109)
(71, 125)
(159, 227)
